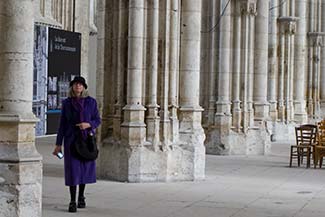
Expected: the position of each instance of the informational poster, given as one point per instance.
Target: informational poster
(56, 62)
(63, 65)
(40, 77)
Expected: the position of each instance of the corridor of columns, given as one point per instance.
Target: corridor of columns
(174, 80)
(262, 72)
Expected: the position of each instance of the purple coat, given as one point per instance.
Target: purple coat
(75, 171)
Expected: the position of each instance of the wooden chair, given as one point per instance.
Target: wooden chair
(305, 144)
(320, 147)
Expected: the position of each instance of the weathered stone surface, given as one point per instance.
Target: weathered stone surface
(21, 189)
(254, 142)
(144, 164)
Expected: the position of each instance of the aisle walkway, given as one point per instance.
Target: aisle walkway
(235, 186)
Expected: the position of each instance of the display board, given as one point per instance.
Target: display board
(63, 64)
(63, 52)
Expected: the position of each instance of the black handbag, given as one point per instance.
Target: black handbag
(85, 150)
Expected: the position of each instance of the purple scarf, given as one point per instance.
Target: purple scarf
(79, 105)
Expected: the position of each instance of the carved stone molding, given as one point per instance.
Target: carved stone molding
(288, 25)
(247, 7)
(316, 39)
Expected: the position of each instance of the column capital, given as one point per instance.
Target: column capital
(247, 7)
(316, 39)
(288, 25)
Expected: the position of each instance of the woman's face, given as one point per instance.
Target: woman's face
(77, 88)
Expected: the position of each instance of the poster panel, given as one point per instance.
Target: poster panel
(63, 64)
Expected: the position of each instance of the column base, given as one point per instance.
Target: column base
(133, 129)
(183, 160)
(300, 114)
(152, 122)
(256, 141)
(20, 167)
(174, 124)
(273, 111)
(236, 119)
(281, 113)
(140, 163)
(261, 111)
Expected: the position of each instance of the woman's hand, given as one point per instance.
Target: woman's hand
(57, 149)
(83, 125)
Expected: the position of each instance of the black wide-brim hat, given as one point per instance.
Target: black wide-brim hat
(79, 79)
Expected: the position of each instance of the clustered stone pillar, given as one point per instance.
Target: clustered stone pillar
(223, 114)
(251, 13)
(312, 28)
(119, 66)
(261, 57)
(288, 29)
(191, 130)
(248, 10)
(152, 67)
(300, 114)
(82, 17)
(174, 69)
(212, 31)
(163, 63)
(273, 59)
(236, 109)
(315, 44)
(133, 132)
(20, 163)
(164, 35)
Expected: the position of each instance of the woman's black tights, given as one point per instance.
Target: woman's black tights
(73, 192)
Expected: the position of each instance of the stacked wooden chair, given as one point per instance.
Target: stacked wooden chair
(305, 144)
(320, 147)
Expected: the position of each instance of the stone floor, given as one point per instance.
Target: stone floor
(235, 186)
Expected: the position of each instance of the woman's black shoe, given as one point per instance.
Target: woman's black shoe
(72, 207)
(81, 202)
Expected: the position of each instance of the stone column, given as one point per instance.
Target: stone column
(92, 15)
(20, 163)
(174, 69)
(82, 18)
(319, 15)
(293, 7)
(191, 130)
(281, 68)
(288, 29)
(248, 10)
(236, 109)
(152, 118)
(273, 59)
(133, 127)
(213, 32)
(315, 44)
(120, 24)
(322, 72)
(223, 114)
(251, 46)
(261, 52)
(164, 74)
(310, 57)
(300, 114)
(102, 41)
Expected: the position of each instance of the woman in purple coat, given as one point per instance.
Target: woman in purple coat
(79, 113)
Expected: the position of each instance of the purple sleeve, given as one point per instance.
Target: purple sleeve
(62, 126)
(95, 119)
